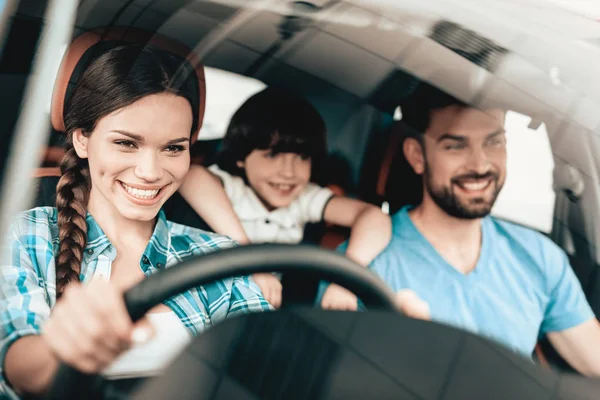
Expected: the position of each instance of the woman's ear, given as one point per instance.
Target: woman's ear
(80, 143)
(413, 151)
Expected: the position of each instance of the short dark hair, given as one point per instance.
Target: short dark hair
(273, 119)
(417, 108)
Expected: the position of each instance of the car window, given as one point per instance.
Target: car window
(227, 93)
(527, 197)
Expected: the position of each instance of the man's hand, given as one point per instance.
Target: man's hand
(271, 288)
(338, 298)
(412, 305)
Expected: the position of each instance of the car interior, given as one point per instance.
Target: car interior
(355, 60)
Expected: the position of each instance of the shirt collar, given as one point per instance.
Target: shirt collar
(155, 254)
(97, 241)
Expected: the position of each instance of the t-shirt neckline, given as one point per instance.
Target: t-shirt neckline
(482, 262)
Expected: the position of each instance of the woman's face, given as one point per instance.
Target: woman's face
(138, 156)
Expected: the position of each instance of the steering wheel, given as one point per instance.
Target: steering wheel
(70, 383)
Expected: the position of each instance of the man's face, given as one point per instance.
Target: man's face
(464, 160)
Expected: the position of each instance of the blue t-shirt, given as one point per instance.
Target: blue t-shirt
(522, 286)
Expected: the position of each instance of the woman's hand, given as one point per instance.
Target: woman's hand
(270, 287)
(89, 326)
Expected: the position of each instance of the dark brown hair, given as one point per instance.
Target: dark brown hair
(115, 78)
(274, 119)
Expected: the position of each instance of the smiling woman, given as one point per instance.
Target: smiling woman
(137, 169)
(129, 123)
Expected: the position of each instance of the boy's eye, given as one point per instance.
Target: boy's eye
(125, 143)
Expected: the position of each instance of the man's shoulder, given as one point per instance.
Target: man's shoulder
(522, 236)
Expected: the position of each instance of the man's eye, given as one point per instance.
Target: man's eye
(496, 142)
(125, 143)
(456, 146)
(175, 149)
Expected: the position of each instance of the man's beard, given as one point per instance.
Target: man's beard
(451, 204)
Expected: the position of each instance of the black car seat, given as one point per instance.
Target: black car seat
(387, 179)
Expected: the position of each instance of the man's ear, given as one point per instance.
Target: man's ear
(240, 164)
(80, 143)
(413, 151)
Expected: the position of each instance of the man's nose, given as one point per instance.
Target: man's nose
(479, 161)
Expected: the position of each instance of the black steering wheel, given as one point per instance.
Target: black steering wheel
(70, 383)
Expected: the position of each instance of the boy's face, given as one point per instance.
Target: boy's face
(278, 179)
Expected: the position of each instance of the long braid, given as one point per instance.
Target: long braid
(72, 194)
(115, 79)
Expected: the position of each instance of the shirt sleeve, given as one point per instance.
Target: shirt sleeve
(231, 296)
(313, 201)
(246, 297)
(234, 185)
(567, 306)
(23, 298)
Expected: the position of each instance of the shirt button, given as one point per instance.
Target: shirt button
(145, 260)
(159, 265)
(267, 221)
(90, 251)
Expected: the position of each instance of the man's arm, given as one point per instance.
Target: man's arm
(580, 346)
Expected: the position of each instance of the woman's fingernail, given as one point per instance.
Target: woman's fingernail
(140, 335)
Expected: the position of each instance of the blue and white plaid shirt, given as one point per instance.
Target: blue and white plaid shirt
(28, 288)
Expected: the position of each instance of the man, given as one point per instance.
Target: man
(451, 262)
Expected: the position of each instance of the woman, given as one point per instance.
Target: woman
(129, 124)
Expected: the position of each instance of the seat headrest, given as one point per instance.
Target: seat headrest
(69, 72)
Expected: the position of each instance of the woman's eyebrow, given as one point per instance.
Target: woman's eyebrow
(140, 138)
(130, 135)
(180, 140)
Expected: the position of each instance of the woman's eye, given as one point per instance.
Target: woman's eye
(125, 143)
(175, 149)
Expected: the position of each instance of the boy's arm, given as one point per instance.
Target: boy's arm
(371, 229)
(206, 194)
(370, 234)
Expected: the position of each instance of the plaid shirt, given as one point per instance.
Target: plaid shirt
(28, 289)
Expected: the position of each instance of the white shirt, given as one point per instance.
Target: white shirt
(282, 225)
(151, 358)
